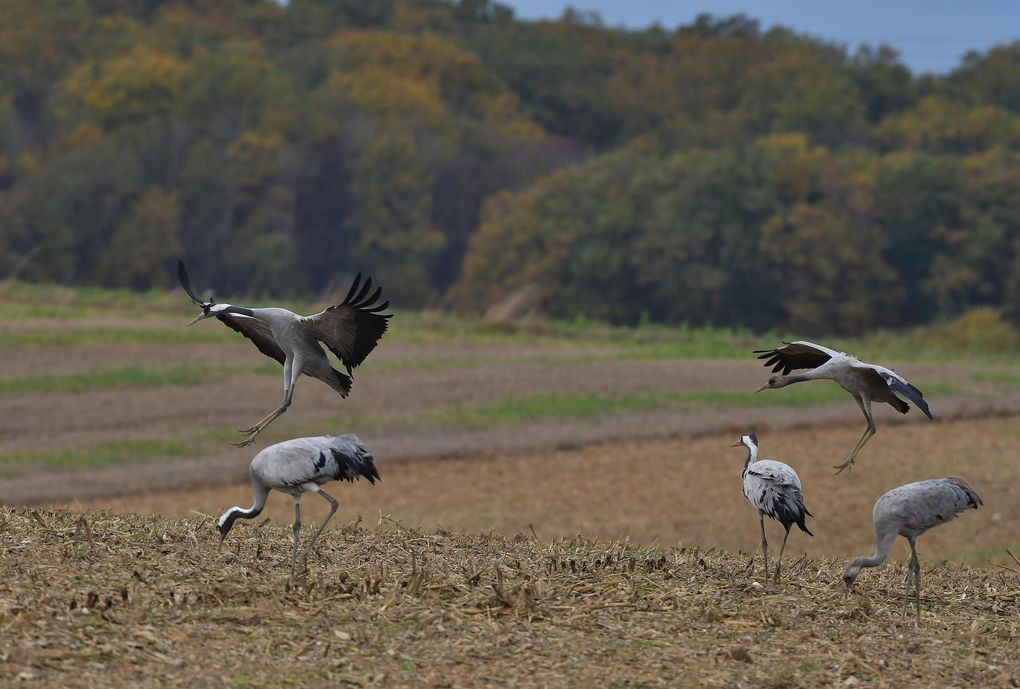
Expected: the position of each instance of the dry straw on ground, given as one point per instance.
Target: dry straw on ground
(100, 599)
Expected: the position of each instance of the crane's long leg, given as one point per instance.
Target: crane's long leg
(297, 531)
(864, 402)
(780, 563)
(908, 579)
(917, 579)
(288, 394)
(764, 543)
(334, 504)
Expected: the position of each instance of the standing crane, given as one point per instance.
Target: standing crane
(301, 466)
(909, 511)
(350, 330)
(774, 489)
(866, 382)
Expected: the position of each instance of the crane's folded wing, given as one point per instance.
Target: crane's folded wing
(776, 477)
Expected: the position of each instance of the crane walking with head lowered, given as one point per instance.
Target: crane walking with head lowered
(301, 466)
(350, 330)
(774, 489)
(866, 382)
(909, 511)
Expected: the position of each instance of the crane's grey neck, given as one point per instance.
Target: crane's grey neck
(882, 549)
(797, 378)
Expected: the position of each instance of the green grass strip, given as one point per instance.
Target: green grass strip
(85, 337)
(507, 411)
(128, 376)
(121, 452)
(530, 408)
(1005, 378)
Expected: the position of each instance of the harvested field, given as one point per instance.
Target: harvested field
(103, 600)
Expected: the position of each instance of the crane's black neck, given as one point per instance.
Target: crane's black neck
(226, 522)
(233, 515)
(239, 310)
(752, 454)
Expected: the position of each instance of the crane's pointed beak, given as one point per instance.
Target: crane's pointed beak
(763, 387)
(197, 318)
(737, 445)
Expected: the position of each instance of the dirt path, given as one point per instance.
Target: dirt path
(228, 464)
(404, 382)
(33, 421)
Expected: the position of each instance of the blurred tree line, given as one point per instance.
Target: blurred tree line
(712, 174)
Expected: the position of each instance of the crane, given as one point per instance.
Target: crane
(350, 329)
(909, 511)
(302, 466)
(774, 489)
(866, 382)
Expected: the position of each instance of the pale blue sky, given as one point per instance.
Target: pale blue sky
(931, 35)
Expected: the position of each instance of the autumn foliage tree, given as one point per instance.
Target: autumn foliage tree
(713, 173)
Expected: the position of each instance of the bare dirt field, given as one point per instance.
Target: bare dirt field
(669, 492)
(110, 601)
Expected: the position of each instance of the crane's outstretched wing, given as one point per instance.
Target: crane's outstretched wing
(795, 355)
(900, 386)
(256, 331)
(352, 328)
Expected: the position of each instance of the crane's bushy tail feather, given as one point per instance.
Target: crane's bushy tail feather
(341, 382)
(973, 499)
(353, 460)
(789, 509)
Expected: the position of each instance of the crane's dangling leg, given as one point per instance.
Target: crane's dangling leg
(764, 543)
(780, 563)
(297, 531)
(334, 504)
(289, 379)
(864, 402)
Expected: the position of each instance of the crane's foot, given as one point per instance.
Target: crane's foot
(845, 466)
(247, 441)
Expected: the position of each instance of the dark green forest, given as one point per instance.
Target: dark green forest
(709, 174)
